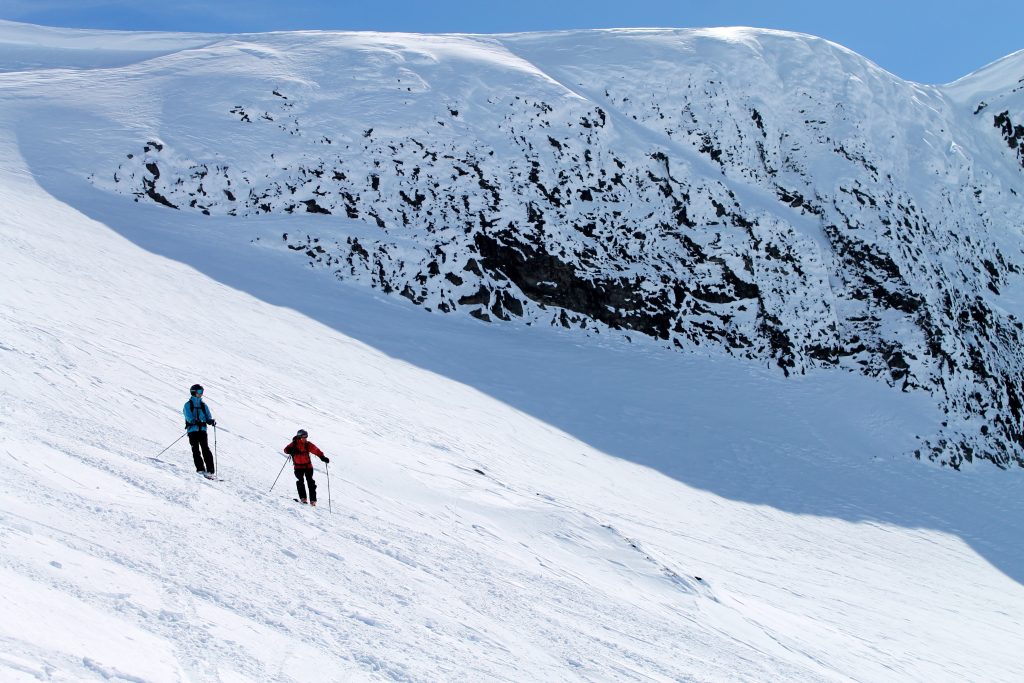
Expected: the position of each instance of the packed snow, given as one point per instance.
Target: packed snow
(506, 502)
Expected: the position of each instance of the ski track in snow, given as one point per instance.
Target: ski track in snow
(186, 596)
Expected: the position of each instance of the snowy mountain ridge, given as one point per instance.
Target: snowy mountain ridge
(770, 195)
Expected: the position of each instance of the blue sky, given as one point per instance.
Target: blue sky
(928, 41)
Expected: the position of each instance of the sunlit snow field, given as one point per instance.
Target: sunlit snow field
(506, 502)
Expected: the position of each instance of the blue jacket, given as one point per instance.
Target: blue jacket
(196, 414)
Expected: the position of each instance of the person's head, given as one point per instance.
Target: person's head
(196, 390)
(300, 435)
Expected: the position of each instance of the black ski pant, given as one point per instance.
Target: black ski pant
(307, 475)
(199, 440)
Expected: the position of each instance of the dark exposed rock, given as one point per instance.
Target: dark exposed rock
(1012, 134)
(313, 207)
(545, 279)
(482, 296)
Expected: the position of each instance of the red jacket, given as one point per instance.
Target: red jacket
(300, 453)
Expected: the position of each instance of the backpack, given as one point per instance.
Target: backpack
(196, 422)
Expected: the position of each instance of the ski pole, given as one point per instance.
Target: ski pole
(279, 474)
(330, 507)
(157, 456)
(216, 465)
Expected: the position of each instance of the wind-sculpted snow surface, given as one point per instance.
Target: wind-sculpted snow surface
(770, 195)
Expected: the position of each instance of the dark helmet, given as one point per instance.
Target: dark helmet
(301, 434)
(195, 389)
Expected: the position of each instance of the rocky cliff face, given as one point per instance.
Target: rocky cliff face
(768, 195)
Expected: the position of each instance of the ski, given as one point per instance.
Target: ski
(175, 466)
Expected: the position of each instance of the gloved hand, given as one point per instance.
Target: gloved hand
(211, 422)
(325, 459)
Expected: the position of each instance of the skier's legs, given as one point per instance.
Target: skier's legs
(193, 441)
(204, 441)
(312, 485)
(300, 485)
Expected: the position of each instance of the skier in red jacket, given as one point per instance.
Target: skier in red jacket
(300, 449)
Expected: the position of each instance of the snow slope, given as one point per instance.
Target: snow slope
(509, 502)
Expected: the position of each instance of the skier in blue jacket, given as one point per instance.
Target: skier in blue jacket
(197, 416)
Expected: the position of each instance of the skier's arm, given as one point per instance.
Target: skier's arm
(316, 451)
